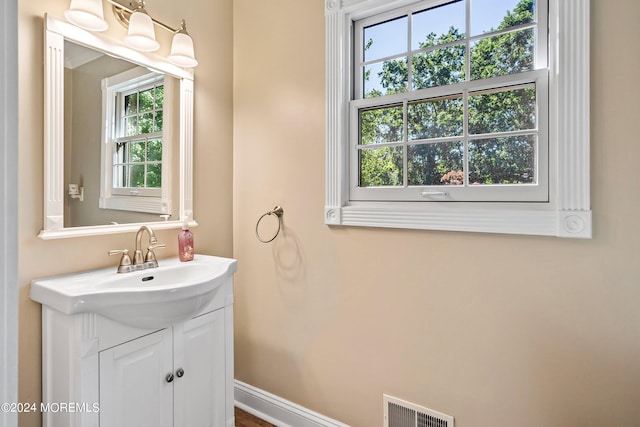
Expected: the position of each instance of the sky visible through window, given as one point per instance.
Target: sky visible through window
(391, 38)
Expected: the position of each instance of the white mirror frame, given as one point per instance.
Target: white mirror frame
(56, 32)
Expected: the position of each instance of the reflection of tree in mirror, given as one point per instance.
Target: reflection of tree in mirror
(131, 103)
(154, 166)
(147, 100)
(145, 164)
(154, 175)
(159, 98)
(491, 160)
(143, 111)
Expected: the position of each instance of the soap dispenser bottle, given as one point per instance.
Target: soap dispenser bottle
(185, 242)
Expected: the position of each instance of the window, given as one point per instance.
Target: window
(135, 170)
(442, 113)
(459, 115)
(137, 165)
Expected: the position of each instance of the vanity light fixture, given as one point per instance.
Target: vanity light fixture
(88, 14)
(182, 48)
(141, 35)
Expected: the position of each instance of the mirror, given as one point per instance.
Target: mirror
(118, 128)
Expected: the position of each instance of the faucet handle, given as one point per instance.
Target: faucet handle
(151, 255)
(125, 261)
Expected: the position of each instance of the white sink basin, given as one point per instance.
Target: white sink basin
(152, 298)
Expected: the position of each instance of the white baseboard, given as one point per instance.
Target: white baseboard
(278, 411)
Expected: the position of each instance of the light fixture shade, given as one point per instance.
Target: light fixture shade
(182, 51)
(87, 14)
(142, 35)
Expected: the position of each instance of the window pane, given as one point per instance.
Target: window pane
(131, 104)
(502, 111)
(385, 39)
(439, 25)
(489, 15)
(381, 166)
(136, 175)
(154, 175)
(131, 126)
(506, 54)
(439, 67)
(381, 125)
(372, 82)
(436, 164)
(159, 97)
(146, 100)
(154, 150)
(435, 118)
(146, 123)
(158, 123)
(385, 78)
(137, 152)
(509, 160)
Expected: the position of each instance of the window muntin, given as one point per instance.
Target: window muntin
(448, 106)
(137, 147)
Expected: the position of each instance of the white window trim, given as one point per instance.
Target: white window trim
(111, 198)
(567, 214)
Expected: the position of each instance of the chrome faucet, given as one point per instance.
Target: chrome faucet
(139, 262)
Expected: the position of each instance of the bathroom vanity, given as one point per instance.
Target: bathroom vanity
(143, 348)
(100, 371)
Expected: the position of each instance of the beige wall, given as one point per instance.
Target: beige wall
(210, 23)
(494, 330)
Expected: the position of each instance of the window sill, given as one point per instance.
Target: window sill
(526, 219)
(154, 205)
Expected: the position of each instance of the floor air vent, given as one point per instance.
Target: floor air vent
(398, 413)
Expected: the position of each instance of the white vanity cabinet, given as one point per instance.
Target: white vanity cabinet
(170, 377)
(100, 373)
(132, 392)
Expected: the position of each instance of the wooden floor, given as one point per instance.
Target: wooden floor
(244, 419)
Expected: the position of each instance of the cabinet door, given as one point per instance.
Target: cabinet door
(133, 387)
(199, 352)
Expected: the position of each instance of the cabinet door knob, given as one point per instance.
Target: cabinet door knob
(169, 377)
(180, 373)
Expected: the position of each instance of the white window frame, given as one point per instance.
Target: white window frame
(566, 213)
(156, 201)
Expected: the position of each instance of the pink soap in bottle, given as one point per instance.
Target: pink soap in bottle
(185, 242)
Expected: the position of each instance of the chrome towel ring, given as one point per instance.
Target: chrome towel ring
(278, 212)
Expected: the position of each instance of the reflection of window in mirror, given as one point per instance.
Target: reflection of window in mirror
(135, 155)
(137, 146)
